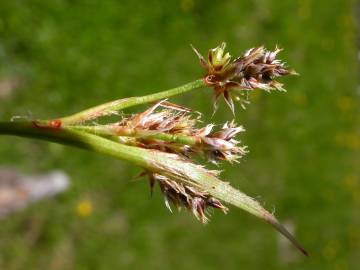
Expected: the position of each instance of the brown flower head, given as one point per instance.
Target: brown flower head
(185, 196)
(173, 129)
(257, 68)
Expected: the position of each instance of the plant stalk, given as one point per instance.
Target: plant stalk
(116, 105)
(113, 130)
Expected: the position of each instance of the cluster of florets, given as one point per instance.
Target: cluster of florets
(173, 129)
(257, 68)
(185, 196)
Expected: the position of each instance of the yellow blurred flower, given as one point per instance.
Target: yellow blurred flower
(351, 140)
(350, 181)
(84, 208)
(345, 104)
(187, 5)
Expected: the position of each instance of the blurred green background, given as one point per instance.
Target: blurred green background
(304, 144)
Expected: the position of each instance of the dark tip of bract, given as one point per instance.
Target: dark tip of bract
(281, 229)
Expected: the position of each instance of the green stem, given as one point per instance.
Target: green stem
(113, 106)
(111, 130)
(76, 138)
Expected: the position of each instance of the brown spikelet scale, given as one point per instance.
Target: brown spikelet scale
(256, 69)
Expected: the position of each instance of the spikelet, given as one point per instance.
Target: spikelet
(256, 69)
(170, 119)
(185, 196)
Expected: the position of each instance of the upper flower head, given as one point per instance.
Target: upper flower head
(257, 68)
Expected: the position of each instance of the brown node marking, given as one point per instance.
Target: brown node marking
(210, 80)
(52, 124)
(55, 124)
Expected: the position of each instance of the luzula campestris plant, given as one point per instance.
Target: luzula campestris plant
(165, 138)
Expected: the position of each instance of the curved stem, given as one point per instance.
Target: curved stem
(113, 106)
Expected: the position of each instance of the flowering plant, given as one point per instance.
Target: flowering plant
(166, 138)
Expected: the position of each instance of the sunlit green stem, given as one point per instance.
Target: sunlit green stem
(114, 106)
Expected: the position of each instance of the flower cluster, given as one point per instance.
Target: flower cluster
(173, 130)
(257, 68)
(186, 196)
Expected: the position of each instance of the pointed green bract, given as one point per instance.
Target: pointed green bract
(152, 160)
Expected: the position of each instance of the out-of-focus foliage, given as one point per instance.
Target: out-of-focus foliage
(58, 57)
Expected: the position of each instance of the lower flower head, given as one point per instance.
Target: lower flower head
(185, 196)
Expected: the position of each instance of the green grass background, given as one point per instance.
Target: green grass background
(304, 144)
